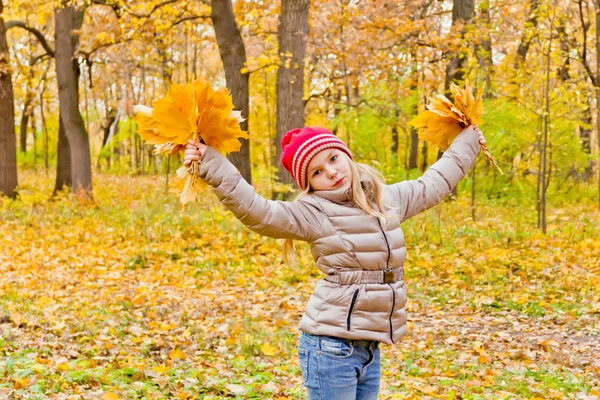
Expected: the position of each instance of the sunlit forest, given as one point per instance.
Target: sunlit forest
(111, 289)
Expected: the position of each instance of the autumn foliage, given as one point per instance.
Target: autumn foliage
(126, 294)
(443, 120)
(191, 112)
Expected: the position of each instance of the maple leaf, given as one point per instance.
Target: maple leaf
(168, 148)
(269, 350)
(218, 122)
(443, 120)
(194, 111)
(147, 126)
(187, 183)
(110, 396)
(176, 114)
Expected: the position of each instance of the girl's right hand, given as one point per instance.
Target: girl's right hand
(482, 141)
(194, 151)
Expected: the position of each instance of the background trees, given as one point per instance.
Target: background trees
(361, 68)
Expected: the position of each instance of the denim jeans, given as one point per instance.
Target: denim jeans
(339, 369)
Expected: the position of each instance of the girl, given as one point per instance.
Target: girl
(351, 219)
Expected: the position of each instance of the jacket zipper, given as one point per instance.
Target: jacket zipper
(392, 312)
(354, 296)
(387, 264)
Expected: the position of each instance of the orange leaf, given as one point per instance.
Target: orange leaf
(443, 120)
(110, 396)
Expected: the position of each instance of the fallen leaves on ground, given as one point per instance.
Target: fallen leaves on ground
(131, 297)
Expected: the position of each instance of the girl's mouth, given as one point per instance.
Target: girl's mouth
(339, 181)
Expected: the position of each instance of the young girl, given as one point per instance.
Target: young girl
(351, 219)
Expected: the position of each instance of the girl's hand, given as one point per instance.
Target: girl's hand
(194, 151)
(482, 141)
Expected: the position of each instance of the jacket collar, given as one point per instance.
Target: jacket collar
(339, 196)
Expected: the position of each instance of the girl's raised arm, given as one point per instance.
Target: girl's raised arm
(282, 220)
(415, 196)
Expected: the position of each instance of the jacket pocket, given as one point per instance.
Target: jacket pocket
(352, 304)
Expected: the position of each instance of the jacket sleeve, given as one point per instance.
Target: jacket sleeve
(415, 196)
(276, 219)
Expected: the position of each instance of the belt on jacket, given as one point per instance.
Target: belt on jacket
(353, 276)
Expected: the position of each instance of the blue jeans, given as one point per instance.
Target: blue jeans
(339, 369)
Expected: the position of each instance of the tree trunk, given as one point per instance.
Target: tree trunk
(484, 49)
(107, 128)
(586, 127)
(414, 148)
(462, 12)
(68, 21)
(27, 107)
(34, 134)
(563, 71)
(597, 87)
(233, 55)
(293, 33)
(395, 143)
(528, 34)
(45, 129)
(424, 151)
(167, 70)
(8, 139)
(414, 137)
(63, 160)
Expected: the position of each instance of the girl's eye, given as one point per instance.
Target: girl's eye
(316, 173)
(333, 158)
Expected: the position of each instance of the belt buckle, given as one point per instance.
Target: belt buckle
(388, 276)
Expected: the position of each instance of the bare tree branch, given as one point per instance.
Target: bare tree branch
(261, 67)
(114, 6)
(583, 54)
(39, 35)
(40, 57)
(315, 95)
(156, 7)
(87, 55)
(190, 18)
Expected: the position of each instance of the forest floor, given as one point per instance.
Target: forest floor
(134, 296)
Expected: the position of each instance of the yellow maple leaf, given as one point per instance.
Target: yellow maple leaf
(160, 369)
(110, 396)
(218, 123)
(268, 349)
(444, 120)
(147, 126)
(176, 114)
(21, 383)
(194, 111)
(177, 355)
(168, 148)
(436, 129)
(187, 184)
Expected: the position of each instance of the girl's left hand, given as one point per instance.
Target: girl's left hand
(482, 141)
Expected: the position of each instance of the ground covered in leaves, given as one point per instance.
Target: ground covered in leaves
(133, 296)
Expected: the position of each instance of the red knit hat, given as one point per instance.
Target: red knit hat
(299, 146)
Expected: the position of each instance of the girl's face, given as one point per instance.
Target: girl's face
(330, 170)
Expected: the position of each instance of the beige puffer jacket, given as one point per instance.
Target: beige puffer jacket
(363, 295)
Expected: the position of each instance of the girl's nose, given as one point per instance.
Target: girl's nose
(331, 172)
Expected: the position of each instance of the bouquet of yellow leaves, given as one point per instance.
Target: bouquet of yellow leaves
(190, 112)
(444, 120)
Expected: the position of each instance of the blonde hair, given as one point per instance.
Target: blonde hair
(368, 189)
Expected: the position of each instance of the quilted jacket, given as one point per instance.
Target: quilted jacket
(363, 293)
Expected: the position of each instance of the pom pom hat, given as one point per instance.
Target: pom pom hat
(299, 146)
